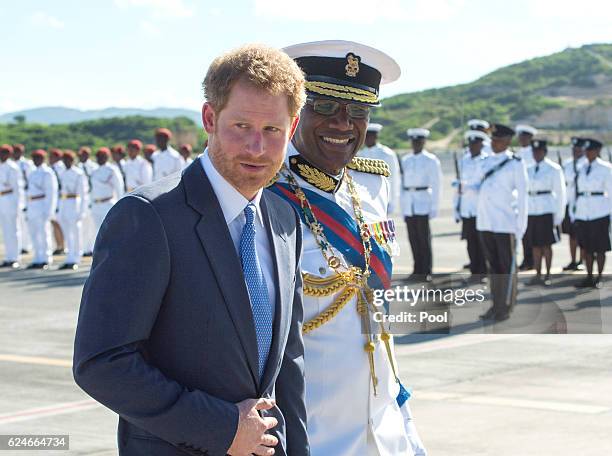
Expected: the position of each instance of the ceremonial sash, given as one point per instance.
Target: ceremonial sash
(342, 232)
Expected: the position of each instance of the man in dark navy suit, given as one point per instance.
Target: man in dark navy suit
(190, 322)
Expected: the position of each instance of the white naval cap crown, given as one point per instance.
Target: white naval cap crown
(374, 127)
(472, 134)
(478, 123)
(418, 133)
(523, 128)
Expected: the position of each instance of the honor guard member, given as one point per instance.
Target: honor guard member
(484, 126)
(106, 187)
(11, 198)
(118, 156)
(421, 178)
(42, 203)
(501, 219)
(570, 170)
(186, 150)
(148, 152)
(593, 211)
(526, 134)
(374, 149)
(545, 208)
(88, 166)
(138, 171)
(26, 167)
(166, 160)
(72, 206)
(353, 395)
(466, 198)
(57, 166)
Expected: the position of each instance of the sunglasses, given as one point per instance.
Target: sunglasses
(327, 107)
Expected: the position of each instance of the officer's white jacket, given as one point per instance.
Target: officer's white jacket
(382, 152)
(73, 182)
(502, 199)
(166, 162)
(547, 178)
(42, 182)
(106, 182)
(599, 179)
(421, 170)
(26, 166)
(526, 154)
(10, 181)
(137, 172)
(470, 172)
(341, 405)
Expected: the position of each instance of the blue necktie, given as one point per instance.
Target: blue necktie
(256, 284)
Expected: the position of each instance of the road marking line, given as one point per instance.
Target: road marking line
(52, 410)
(554, 406)
(35, 360)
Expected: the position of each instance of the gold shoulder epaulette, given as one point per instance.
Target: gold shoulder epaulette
(370, 165)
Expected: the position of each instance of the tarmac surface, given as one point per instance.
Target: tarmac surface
(537, 384)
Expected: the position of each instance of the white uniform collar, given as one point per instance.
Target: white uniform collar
(231, 200)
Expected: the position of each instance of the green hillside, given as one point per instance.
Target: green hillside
(517, 92)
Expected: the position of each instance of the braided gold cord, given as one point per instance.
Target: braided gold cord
(334, 309)
(314, 286)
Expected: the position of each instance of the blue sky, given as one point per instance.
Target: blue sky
(150, 53)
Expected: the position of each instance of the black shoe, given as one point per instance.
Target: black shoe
(10, 264)
(88, 254)
(571, 266)
(588, 282)
(501, 316)
(547, 282)
(34, 266)
(579, 267)
(44, 266)
(525, 267)
(58, 252)
(488, 315)
(70, 266)
(5, 264)
(24, 251)
(597, 283)
(467, 266)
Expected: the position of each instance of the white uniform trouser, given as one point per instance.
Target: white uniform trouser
(11, 233)
(98, 212)
(71, 227)
(40, 232)
(89, 232)
(26, 242)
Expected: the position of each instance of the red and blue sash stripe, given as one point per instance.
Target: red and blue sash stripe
(342, 232)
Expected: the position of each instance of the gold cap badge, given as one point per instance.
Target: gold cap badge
(352, 66)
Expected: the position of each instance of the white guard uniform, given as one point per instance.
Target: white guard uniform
(421, 179)
(72, 208)
(502, 199)
(58, 168)
(26, 166)
(106, 189)
(344, 416)
(137, 172)
(11, 199)
(546, 190)
(42, 202)
(526, 154)
(598, 180)
(89, 228)
(570, 181)
(166, 162)
(381, 152)
(470, 172)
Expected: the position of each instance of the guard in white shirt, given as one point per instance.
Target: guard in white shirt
(420, 199)
(42, 203)
(593, 211)
(355, 403)
(118, 156)
(374, 149)
(483, 126)
(72, 208)
(26, 167)
(470, 172)
(57, 166)
(526, 133)
(546, 207)
(106, 187)
(166, 160)
(89, 229)
(570, 170)
(11, 198)
(138, 171)
(148, 152)
(501, 219)
(186, 151)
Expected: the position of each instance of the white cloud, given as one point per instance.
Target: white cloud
(159, 8)
(358, 11)
(42, 19)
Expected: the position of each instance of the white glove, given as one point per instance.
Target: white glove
(411, 431)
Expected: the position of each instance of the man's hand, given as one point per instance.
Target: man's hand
(251, 437)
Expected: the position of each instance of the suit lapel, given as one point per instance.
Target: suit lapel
(277, 238)
(215, 238)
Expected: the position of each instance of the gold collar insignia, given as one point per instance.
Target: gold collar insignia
(313, 175)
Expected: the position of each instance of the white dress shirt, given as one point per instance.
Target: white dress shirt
(73, 200)
(166, 162)
(11, 187)
(599, 179)
(106, 182)
(470, 172)
(138, 172)
(42, 182)
(232, 205)
(526, 154)
(568, 172)
(546, 176)
(421, 170)
(381, 152)
(502, 199)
